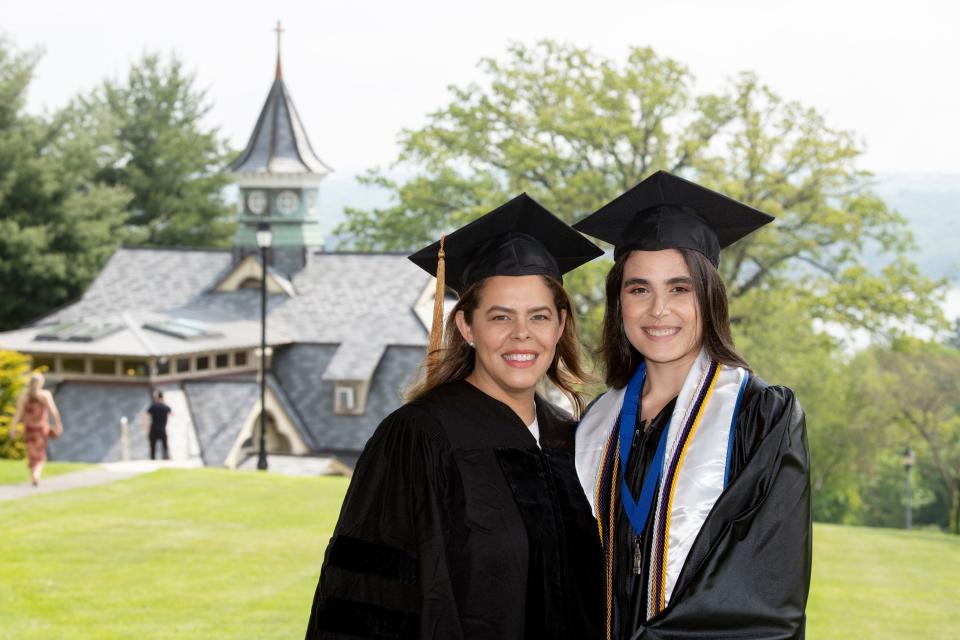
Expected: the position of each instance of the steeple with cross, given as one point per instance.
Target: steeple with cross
(279, 176)
(279, 30)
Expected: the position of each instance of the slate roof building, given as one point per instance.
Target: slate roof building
(345, 331)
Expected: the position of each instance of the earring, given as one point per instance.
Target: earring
(472, 345)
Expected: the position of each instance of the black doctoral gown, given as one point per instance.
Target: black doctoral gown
(456, 525)
(748, 572)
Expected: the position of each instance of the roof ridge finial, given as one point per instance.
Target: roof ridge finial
(279, 31)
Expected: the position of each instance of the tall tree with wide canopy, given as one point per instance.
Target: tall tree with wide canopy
(159, 146)
(575, 129)
(58, 224)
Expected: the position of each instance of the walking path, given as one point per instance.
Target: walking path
(102, 474)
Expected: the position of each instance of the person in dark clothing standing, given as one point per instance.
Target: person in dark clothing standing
(158, 411)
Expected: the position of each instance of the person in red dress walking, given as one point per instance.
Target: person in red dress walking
(35, 406)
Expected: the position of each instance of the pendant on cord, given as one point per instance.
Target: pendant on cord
(638, 555)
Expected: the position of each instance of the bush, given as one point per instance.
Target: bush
(14, 368)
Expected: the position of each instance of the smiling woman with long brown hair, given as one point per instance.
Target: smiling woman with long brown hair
(697, 470)
(464, 518)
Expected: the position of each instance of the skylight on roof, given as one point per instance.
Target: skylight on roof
(184, 329)
(77, 331)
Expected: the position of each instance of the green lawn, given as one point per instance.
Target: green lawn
(219, 554)
(15, 471)
(171, 554)
(883, 583)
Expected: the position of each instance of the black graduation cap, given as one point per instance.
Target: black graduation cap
(667, 212)
(519, 238)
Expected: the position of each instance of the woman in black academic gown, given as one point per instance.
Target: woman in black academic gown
(465, 517)
(697, 470)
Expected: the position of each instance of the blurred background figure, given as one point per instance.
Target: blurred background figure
(157, 414)
(34, 408)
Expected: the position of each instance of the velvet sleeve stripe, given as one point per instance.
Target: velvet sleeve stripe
(360, 556)
(338, 617)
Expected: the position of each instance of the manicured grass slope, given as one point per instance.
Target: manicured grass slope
(171, 554)
(882, 583)
(219, 554)
(16, 471)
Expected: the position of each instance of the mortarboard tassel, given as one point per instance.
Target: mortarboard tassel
(436, 329)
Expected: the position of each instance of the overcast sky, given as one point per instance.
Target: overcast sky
(360, 71)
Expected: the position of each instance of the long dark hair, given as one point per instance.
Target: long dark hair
(457, 358)
(621, 359)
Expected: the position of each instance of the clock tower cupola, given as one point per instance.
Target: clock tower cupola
(279, 176)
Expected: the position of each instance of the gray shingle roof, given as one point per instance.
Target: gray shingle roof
(299, 367)
(279, 141)
(354, 361)
(148, 279)
(355, 298)
(291, 409)
(352, 318)
(219, 409)
(137, 341)
(362, 301)
(91, 421)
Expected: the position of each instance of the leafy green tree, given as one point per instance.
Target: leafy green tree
(157, 145)
(14, 368)
(953, 339)
(922, 396)
(57, 223)
(780, 343)
(884, 494)
(575, 129)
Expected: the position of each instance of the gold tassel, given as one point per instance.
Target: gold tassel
(436, 329)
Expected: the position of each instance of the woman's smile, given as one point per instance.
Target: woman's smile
(520, 359)
(661, 333)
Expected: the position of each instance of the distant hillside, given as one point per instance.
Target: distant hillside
(339, 191)
(931, 204)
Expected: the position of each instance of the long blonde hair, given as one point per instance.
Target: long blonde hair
(455, 359)
(36, 385)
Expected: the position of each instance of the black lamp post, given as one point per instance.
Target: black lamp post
(264, 238)
(908, 461)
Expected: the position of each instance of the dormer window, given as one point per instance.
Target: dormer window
(347, 398)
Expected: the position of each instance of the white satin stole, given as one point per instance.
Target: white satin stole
(700, 479)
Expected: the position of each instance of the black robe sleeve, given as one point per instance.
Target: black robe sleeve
(385, 573)
(748, 572)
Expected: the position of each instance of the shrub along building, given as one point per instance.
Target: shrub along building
(345, 331)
